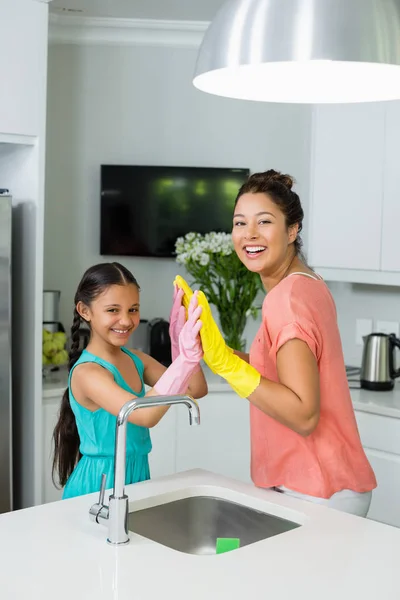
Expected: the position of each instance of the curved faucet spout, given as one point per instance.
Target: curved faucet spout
(120, 434)
(117, 512)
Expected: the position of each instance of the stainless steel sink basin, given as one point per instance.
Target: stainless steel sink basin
(192, 525)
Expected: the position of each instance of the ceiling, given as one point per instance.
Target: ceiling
(185, 10)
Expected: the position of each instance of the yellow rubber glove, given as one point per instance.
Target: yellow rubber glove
(188, 293)
(217, 355)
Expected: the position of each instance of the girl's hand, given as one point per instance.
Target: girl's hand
(177, 319)
(189, 340)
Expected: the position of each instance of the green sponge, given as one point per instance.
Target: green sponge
(227, 544)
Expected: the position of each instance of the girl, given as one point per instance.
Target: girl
(106, 374)
(304, 437)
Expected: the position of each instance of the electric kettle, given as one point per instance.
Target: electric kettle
(377, 366)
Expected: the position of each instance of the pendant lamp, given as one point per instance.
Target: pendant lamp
(302, 51)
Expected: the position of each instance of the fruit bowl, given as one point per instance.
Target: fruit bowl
(49, 371)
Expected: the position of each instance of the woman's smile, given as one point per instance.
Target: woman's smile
(254, 251)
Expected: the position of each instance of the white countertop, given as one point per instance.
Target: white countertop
(54, 385)
(386, 404)
(380, 403)
(55, 551)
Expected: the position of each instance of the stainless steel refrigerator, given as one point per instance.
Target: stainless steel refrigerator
(6, 486)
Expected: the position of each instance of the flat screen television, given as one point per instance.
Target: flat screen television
(144, 209)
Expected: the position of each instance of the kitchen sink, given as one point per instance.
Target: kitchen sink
(192, 525)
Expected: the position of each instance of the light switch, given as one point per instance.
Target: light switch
(363, 327)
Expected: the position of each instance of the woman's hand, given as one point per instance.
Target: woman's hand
(197, 385)
(211, 337)
(216, 352)
(243, 378)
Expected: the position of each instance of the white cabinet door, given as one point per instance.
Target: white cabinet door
(222, 442)
(163, 437)
(51, 406)
(380, 437)
(346, 186)
(391, 186)
(385, 504)
(23, 66)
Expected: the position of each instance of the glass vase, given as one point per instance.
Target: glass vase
(232, 326)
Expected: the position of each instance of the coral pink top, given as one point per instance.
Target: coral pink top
(331, 458)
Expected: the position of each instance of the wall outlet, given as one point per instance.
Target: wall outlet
(363, 327)
(387, 327)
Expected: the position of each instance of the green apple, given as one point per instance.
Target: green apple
(49, 349)
(60, 358)
(47, 335)
(60, 339)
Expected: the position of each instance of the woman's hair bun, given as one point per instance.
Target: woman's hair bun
(277, 177)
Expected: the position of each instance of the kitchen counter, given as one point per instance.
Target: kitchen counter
(386, 404)
(55, 551)
(380, 403)
(54, 385)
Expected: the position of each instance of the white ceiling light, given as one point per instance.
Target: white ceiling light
(302, 51)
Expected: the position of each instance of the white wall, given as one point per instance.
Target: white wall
(356, 301)
(109, 104)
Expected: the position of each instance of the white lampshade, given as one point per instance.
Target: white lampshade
(302, 51)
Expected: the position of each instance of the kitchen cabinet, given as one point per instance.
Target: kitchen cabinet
(163, 437)
(222, 442)
(355, 182)
(385, 504)
(346, 183)
(380, 436)
(51, 406)
(23, 66)
(391, 190)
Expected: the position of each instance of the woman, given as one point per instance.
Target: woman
(304, 437)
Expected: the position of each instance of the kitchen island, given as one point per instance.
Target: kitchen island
(54, 551)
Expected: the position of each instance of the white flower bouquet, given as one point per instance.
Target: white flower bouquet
(211, 260)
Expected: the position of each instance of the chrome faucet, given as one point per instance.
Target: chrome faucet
(116, 513)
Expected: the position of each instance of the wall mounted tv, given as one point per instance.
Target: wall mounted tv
(145, 208)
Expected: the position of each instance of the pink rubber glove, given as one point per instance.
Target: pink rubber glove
(176, 378)
(177, 319)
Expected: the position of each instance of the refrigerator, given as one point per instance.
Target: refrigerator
(6, 483)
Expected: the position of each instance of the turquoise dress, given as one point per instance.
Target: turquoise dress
(97, 438)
